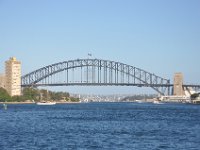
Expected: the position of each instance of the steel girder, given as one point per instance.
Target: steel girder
(106, 72)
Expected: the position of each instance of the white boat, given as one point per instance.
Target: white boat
(157, 102)
(139, 101)
(46, 103)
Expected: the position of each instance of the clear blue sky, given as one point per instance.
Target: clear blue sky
(160, 36)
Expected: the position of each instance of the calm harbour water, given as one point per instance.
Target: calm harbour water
(100, 126)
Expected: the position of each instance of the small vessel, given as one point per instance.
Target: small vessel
(157, 102)
(46, 103)
(139, 101)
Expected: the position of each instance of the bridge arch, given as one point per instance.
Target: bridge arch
(97, 72)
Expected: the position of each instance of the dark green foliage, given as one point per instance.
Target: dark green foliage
(30, 94)
(39, 95)
(58, 95)
(73, 99)
(36, 95)
(4, 96)
(18, 99)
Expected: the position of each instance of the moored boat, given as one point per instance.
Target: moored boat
(46, 103)
(157, 102)
(139, 101)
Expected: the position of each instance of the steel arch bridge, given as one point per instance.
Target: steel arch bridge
(94, 72)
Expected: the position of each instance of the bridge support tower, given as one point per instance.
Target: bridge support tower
(178, 85)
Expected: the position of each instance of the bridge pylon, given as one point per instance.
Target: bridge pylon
(178, 89)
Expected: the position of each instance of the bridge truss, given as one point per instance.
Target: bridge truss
(94, 72)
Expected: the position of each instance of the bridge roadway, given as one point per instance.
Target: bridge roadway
(110, 84)
(100, 84)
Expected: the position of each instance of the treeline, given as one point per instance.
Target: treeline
(33, 94)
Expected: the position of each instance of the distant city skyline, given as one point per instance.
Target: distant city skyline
(162, 37)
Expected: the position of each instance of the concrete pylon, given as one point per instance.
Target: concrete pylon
(178, 84)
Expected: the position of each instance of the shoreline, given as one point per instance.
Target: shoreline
(35, 103)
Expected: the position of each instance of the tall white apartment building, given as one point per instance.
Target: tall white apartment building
(13, 76)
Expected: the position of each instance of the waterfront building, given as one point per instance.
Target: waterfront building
(13, 76)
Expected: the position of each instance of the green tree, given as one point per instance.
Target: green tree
(58, 95)
(73, 99)
(4, 96)
(18, 99)
(30, 94)
(36, 95)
